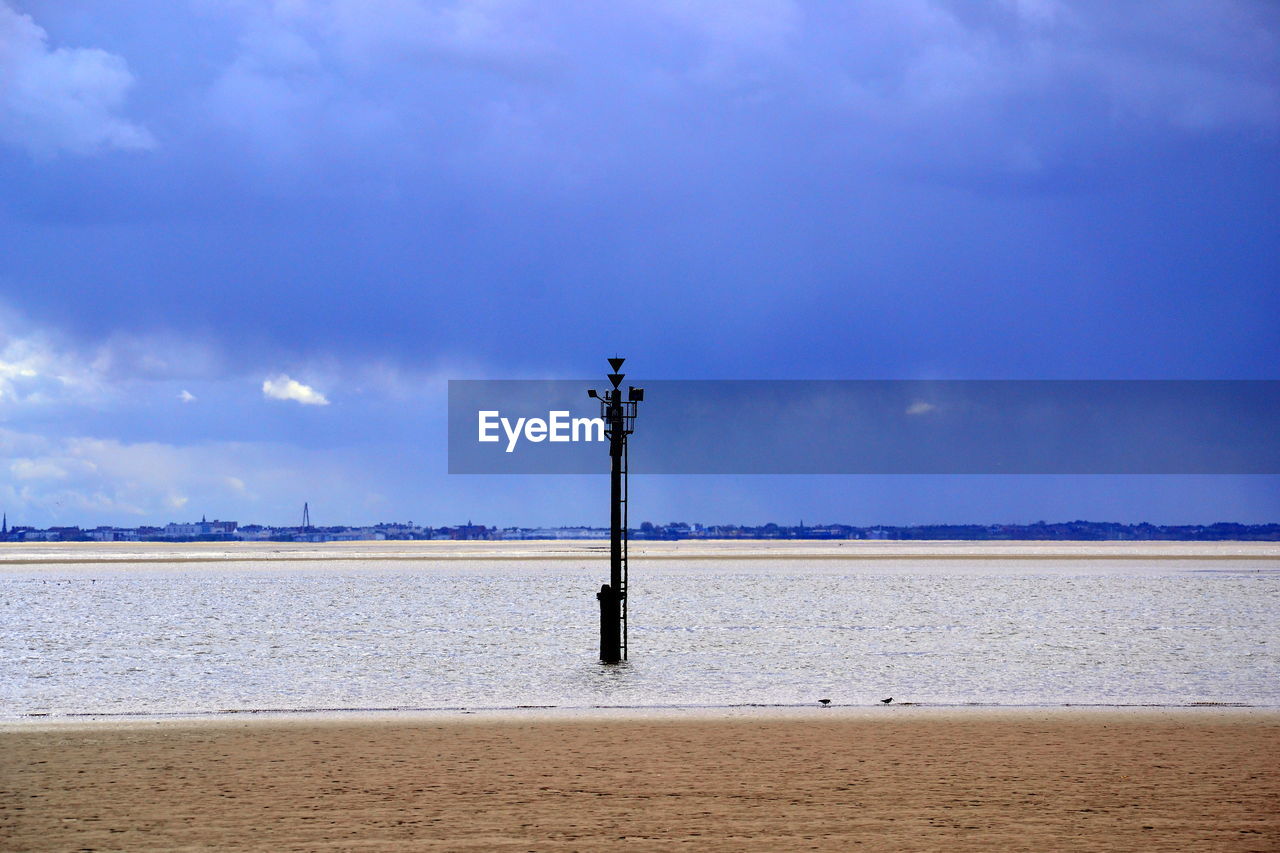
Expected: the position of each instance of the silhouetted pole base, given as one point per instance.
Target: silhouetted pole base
(610, 625)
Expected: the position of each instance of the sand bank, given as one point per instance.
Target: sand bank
(892, 779)
(141, 554)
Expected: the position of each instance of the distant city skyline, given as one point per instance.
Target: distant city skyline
(226, 530)
(244, 246)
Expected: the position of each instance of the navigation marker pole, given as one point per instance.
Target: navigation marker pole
(619, 418)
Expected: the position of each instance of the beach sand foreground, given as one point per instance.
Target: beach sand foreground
(901, 780)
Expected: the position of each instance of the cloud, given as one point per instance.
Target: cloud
(43, 366)
(573, 93)
(155, 355)
(920, 407)
(90, 481)
(32, 469)
(62, 99)
(36, 370)
(283, 388)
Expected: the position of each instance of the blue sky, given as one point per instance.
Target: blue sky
(243, 245)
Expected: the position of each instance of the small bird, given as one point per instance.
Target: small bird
(824, 702)
(886, 701)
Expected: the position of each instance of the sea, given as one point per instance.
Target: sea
(97, 631)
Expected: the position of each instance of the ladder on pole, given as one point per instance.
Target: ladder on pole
(625, 541)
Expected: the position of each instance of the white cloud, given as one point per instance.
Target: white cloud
(35, 370)
(43, 368)
(920, 407)
(61, 99)
(88, 480)
(283, 388)
(91, 481)
(37, 469)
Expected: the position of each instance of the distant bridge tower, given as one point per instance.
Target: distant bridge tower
(306, 516)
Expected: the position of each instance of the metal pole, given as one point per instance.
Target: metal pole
(611, 593)
(610, 625)
(618, 416)
(616, 444)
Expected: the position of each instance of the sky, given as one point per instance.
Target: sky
(244, 245)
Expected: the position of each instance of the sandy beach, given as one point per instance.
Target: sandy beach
(828, 779)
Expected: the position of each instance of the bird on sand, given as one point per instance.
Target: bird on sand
(886, 701)
(824, 701)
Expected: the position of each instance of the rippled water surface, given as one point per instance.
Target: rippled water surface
(204, 637)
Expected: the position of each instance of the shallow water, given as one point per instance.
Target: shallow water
(203, 637)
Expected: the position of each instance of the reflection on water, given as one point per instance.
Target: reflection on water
(203, 637)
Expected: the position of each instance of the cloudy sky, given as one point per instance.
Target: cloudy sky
(244, 245)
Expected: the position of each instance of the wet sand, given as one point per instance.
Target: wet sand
(891, 778)
(91, 556)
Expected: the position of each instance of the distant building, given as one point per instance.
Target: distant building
(196, 530)
(112, 534)
(574, 533)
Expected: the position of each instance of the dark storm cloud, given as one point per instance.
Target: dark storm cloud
(373, 171)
